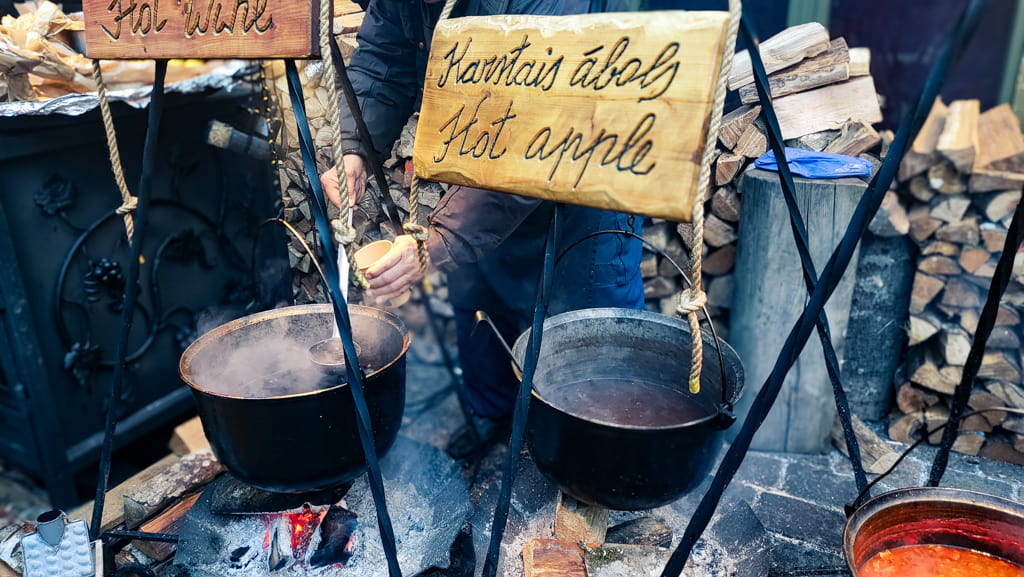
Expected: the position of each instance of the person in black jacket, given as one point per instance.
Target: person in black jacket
(489, 244)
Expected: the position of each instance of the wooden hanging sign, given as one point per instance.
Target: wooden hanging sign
(144, 29)
(603, 110)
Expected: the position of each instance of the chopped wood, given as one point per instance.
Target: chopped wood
(831, 66)
(1002, 204)
(648, 265)
(816, 141)
(860, 61)
(188, 437)
(935, 416)
(1001, 450)
(1018, 443)
(659, 233)
(855, 138)
(949, 208)
(659, 287)
(941, 247)
(922, 225)
(956, 345)
(959, 139)
(1003, 338)
(910, 399)
(876, 455)
(780, 51)
(976, 423)
(185, 476)
(725, 204)
(677, 253)
(1016, 425)
(828, 107)
(982, 401)
(969, 320)
(113, 514)
(925, 289)
(961, 294)
(908, 428)
(921, 154)
(752, 142)
(969, 443)
(887, 137)
(735, 123)
(972, 257)
(1011, 393)
(348, 23)
(992, 180)
(720, 290)
(921, 189)
(998, 365)
(924, 371)
(720, 261)
(1000, 144)
(646, 531)
(952, 374)
(922, 327)
(1007, 315)
(347, 44)
(963, 232)
(891, 219)
(717, 232)
(552, 558)
(170, 522)
(685, 230)
(938, 264)
(346, 7)
(944, 178)
(577, 522)
(727, 167)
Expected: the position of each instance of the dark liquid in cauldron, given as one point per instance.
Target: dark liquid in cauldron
(631, 402)
(292, 382)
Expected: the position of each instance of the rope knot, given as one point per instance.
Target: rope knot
(690, 301)
(128, 206)
(343, 234)
(417, 231)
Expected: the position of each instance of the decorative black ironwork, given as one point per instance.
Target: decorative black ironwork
(55, 196)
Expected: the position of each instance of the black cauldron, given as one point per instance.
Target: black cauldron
(279, 422)
(624, 451)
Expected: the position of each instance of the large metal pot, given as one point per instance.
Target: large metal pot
(279, 422)
(935, 516)
(594, 455)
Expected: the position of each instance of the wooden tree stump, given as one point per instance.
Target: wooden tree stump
(770, 294)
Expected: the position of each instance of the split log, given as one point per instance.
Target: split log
(816, 141)
(188, 437)
(969, 442)
(1002, 204)
(1004, 338)
(922, 327)
(876, 455)
(921, 154)
(829, 67)
(659, 233)
(944, 178)
(982, 400)
(552, 558)
(348, 23)
(891, 219)
(959, 139)
(645, 531)
(113, 515)
(963, 232)
(956, 344)
(972, 257)
(921, 189)
(924, 371)
(781, 51)
(727, 167)
(998, 365)
(580, 523)
(887, 137)
(949, 208)
(660, 287)
(969, 320)
(185, 476)
(673, 250)
(735, 123)
(720, 261)
(860, 62)
(934, 417)
(685, 230)
(922, 225)
(911, 399)
(1000, 144)
(1007, 315)
(925, 289)
(908, 428)
(940, 247)
(169, 522)
(976, 423)
(855, 138)
(938, 264)
(992, 180)
(828, 107)
(752, 142)
(961, 294)
(725, 204)
(717, 232)
(1010, 393)
(648, 265)
(1001, 450)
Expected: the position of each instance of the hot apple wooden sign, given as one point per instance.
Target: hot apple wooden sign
(604, 110)
(201, 28)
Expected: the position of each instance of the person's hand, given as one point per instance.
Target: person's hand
(396, 272)
(355, 176)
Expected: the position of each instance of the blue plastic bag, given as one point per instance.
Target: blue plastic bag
(811, 164)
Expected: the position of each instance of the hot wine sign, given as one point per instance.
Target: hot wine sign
(201, 28)
(602, 110)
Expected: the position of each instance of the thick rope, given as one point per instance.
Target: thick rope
(344, 234)
(693, 298)
(128, 202)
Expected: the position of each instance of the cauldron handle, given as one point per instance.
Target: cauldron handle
(725, 417)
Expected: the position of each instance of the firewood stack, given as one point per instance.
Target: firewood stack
(825, 100)
(962, 180)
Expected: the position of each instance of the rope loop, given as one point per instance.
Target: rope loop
(128, 207)
(344, 234)
(415, 230)
(691, 300)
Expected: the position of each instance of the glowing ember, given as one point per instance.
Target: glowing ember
(304, 525)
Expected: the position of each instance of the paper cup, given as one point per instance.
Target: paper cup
(368, 255)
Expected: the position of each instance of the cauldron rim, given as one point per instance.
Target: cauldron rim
(637, 314)
(185, 363)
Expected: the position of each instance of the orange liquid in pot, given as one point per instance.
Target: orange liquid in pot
(937, 561)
